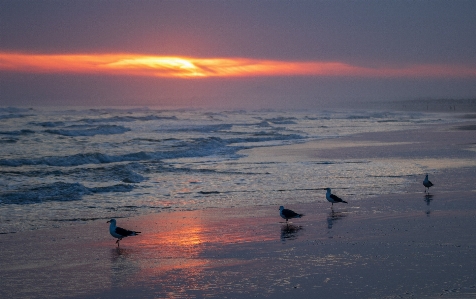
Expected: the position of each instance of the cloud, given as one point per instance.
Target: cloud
(189, 67)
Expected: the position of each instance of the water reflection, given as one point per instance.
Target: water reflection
(289, 231)
(119, 253)
(176, 253)
(333, 217)
(123, 266)
(428, 199)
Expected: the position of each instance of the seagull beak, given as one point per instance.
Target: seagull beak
(109, 221)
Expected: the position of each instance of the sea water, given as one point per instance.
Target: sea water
(58, 166)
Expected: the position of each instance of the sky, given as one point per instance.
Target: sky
(235, 54)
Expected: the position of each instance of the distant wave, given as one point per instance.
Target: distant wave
(203, 129)
(9, 116)
(264, 124)
(127, 118)
(58, 191)
(14, 110)
(100, 130)
(17, 133)
(49, 124)
(8, 140)
(282, 120)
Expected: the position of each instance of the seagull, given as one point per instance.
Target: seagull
(427, 183)
(288, 214)
(119, 232)
(333, 198)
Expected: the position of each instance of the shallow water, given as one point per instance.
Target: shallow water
(79, 164)
(396, 246)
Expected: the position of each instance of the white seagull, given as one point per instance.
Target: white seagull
(119, 232)
(333, 198)
(427, 183)
(288, 214)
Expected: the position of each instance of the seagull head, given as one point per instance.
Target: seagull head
(328, 190)
(281, 208)
(112, 221)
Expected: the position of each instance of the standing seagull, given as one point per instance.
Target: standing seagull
(333, 198)
(288, 214)
(427, 183)
(119, 232)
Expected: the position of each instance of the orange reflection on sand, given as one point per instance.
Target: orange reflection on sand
(179, 249)
(188, 67)
(181, 238)
(186, 240)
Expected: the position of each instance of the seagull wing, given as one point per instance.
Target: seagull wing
(290, 214)
(336, 198)
(124, 232)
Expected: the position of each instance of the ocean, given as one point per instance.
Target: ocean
(60, 166)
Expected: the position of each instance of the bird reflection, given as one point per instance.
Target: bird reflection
(119, 253)
(289, 232)
(428, 199)
(334, 216)
(123, 266)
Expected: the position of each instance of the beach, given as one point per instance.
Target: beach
(397, 245)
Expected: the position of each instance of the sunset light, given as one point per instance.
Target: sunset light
(188, 67)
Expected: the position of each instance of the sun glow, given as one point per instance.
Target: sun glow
(188, 67)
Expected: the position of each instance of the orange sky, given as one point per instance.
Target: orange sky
(189, 67)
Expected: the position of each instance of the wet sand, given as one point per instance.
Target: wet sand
(406, 245)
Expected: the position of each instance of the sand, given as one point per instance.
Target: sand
(406, 245)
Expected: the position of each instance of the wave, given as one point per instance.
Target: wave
(10, 116)
(199, 147)
(48, 124)
(127, 118)
(114, 188)
(204, 128)
(281, 120)
(58, 191)
(8, 140)
(76, 160)
(13, 112)
(125, 173)
(264, 124)
(100, 130)
(17, 133)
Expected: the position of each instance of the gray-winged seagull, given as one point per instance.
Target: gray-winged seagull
(427, 183)
(288, 214)
(119, 232)
(333, 198)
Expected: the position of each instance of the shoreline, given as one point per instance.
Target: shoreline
(401, 245)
